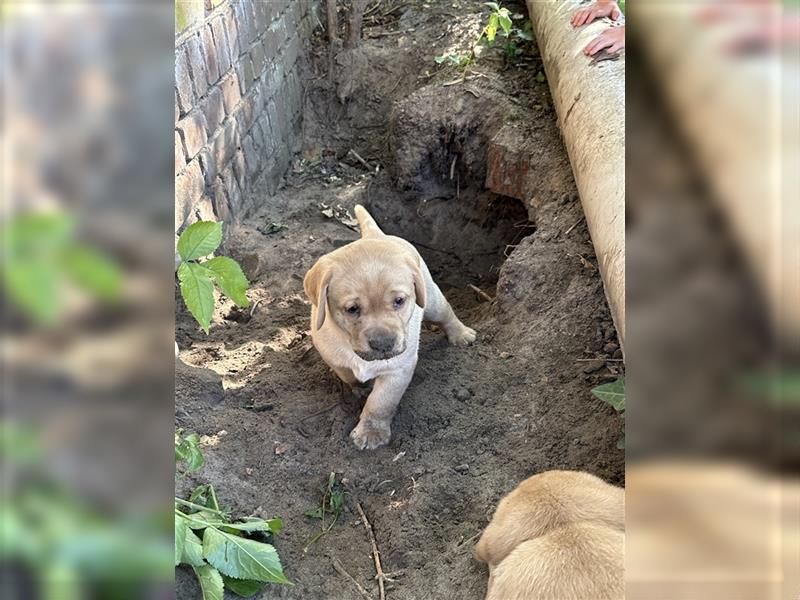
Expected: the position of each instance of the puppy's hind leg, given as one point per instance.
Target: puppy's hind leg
(439, 311)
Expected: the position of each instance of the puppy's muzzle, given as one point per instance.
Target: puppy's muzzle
(382, 345)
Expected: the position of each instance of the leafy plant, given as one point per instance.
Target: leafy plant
(332, 504)
(187, 450)
(499, 22)
(70, 548)
(462, 61)
(42, 257)
(613, 394)
(222, 552)
(197, 279)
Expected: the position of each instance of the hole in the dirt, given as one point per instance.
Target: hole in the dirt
(463, 239)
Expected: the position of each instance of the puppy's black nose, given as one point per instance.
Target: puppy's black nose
(382, 342)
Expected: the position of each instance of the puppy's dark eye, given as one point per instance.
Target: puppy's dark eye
(398, 302)
(352, 310)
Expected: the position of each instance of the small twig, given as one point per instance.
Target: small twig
(340, 569)
(454, 82)
(473, 92)
(255, 306)
(391, 10)
(388, 33)
(599, 358)
(578, 222)
(453, 167)
(480, 292)
(360, 159)
(320, 412)
(373, 9)
(380, 575)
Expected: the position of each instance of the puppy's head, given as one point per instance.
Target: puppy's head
(369, 289)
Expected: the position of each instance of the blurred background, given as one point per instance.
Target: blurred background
(713, 251)
(88, 279)
(713, 224)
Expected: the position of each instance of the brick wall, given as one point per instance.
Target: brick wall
(238, 102)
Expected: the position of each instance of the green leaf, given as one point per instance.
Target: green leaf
(188, 450)
(36, 233)
(242, 558)
(505, 20)
(540, 78)
(199, 239)
(491, 28)
(33, 285)
(197, 290)
(93, 271)
(492, 5)
(524, 34)
(440, 59)
(230, 279)
(180, 538)
(193, 550)
(210, 582)
(243, 587)
(612, 393)
(205, 496)
(271, 525)
(202, 520)
(314, 514)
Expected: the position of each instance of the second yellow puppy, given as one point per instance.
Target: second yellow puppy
(558, 536)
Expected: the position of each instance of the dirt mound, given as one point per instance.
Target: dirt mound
(439, 136)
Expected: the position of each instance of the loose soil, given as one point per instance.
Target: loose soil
(475, 421)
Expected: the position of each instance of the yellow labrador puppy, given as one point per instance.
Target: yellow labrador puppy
(558, 536)
(368, 302)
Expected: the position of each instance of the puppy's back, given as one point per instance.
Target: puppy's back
(548, 501)
(583, 561)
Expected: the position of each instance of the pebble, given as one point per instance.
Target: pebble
(610, 347)
(463, 394)
(462, 468)
(595, 365)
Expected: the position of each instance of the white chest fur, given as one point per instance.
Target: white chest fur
(334, 346)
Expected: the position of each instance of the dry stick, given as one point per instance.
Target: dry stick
(578, 222)
(356, 18)
(333, 22)
(255, 306)
(380, 575)
(387, 33)
(360, 159)
(480, 292)
(340, 569)
(398, 7)
(598, 359)
(373, 9)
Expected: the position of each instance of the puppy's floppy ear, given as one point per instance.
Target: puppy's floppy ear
(420, 291)
(316, 284)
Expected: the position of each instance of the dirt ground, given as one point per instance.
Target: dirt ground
(475, 421)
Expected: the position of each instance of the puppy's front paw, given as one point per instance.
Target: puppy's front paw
(368, 436)
(463, 336)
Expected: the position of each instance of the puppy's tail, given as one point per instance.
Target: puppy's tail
(368, 226)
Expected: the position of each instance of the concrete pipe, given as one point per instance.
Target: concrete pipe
(589, 98)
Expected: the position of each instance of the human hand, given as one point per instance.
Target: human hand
(596, 10)
(613, 39)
